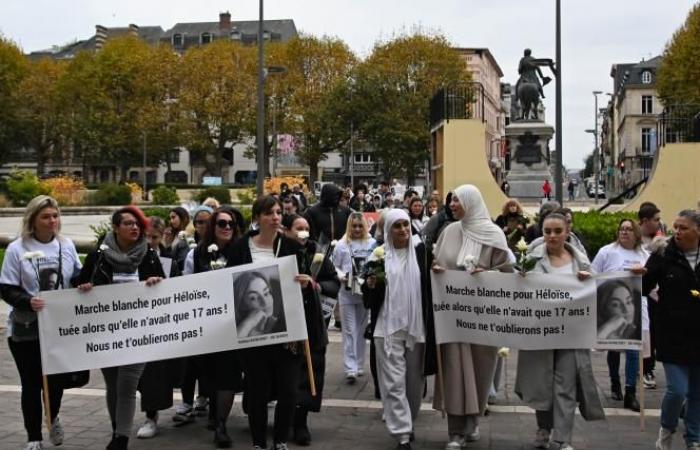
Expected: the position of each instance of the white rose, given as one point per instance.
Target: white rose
(503, 352)
(193, 245)
(213, 248)
(521, 246)
(182, 235)
(334, 243)
(468, 261)
(29, 255)
(104, 247)
(303, 235)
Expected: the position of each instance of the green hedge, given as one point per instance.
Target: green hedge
(221, 193)
(164, 195)
(112, 194)
(598, 229)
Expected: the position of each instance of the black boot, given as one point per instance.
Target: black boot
(302, 436)
(631, 402)
(118, 443)
(221, 437)
(616, 391)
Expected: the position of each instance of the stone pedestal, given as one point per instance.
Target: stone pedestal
(528, 141)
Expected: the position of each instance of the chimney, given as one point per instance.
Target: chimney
(225, 22)
(100, 37)
(133, 30)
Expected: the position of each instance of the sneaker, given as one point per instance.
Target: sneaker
(473, 436)
(665, 440)
(542, 438)
(280, 446)
(351, 378)
(649, 381)
(183, 409)
(56, 433)
(257, 447)
(694, 446)
(184, 414)
(148, 429)
(200, 405)
(565, 446)
(404, 446)
(456, 442)
(34, 445)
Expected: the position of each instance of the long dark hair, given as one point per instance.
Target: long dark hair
(184, 219)
(210, 238)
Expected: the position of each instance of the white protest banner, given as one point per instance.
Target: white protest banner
(534, 312)
(619, 311)
(246, 306)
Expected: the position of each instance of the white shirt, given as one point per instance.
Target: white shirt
(260, 254)
(27, 274)
(615, 258)
(343, 256)
(566, 269)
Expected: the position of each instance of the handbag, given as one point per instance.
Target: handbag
(70, 380)
(25, 326)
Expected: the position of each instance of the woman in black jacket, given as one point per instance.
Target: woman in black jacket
(220, 373)
(675, 267)
(272, 368)
(315, 262)
(123, 257)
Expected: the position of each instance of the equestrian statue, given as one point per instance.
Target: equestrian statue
(529, 87)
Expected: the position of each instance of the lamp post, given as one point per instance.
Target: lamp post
(260, 179)
(595, 164)
(558, 178)
(145, 182)
(596, 150)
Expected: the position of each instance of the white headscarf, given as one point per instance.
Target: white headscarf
(403, 309)
(477, 227)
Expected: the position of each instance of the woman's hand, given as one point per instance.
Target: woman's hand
(437, 268)
(150, 281)
(303, 280)
(476, 270)
(85, 287)
(37, 304)
(638, 270)
(583, 275)
(252, 322)
(612, 328)
(371, 281)
(522, 273)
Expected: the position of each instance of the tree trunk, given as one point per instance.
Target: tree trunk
(313, 172)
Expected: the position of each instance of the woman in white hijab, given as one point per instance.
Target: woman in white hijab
(404, 327)
(476, 244)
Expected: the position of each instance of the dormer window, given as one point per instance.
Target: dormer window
(646, 77)
(235, 35)
(205, 38)
(177, 40)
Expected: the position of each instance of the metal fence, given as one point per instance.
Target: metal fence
(679, 123)
(457, 102)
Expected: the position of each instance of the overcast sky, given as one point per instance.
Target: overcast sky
(595, 33)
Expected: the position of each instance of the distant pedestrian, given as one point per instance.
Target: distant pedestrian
(547, 190)
(572, 189)
(505, 187)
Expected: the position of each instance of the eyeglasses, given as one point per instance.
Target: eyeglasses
(221, 223)
(626, 230)
(129, 223)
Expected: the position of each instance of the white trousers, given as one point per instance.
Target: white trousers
(354, 320)
(401, 384)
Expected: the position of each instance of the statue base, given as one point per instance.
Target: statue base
(528, 142)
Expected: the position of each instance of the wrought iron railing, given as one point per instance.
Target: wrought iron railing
(458, 102)
(679, 123)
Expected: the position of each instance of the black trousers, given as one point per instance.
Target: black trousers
(27, 358)
(270, 372)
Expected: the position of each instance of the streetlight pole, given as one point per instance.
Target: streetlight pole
(145, 154)
(260, 179)
(596, 150)
(558, 178)
(352, 156)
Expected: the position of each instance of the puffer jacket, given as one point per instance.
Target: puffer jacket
(327, 217)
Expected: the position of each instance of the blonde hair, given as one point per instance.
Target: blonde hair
(348, 227)
(211, 202)
(34, 207)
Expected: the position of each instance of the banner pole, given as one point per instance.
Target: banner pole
(47, 404)
(641, 391)
(310, 368)
(441, 383)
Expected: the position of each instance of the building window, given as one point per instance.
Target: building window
(205, 38)
(266, 35)
(363, 158)
(647, 104)
(646, 77)
(235, 35)
(177, 40)
(175, 156)
(648, 139)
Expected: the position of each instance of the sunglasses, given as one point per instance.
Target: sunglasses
(221, 223)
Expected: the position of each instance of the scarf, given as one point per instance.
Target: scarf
(403, 309)
(477, 228)
(122, 262)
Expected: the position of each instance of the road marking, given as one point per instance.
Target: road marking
(359, 404)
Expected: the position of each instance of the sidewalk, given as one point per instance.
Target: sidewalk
(350, 419)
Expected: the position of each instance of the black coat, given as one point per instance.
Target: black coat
(374, 299)
(677, 338)
(327, 217)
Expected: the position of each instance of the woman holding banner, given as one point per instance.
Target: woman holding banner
(272, 369)
(617, 318)
(553, 381)
(349, 255)
(38, 251)
(219, 373)
(315, 262)
(476, 244)
(123, 257)
(404, 332)
(675, 267)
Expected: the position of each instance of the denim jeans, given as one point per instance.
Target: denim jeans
(682, 383)
(631, 367)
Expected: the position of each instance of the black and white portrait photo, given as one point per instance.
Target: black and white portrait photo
(48, 279)
(619, 310)
(257, 297)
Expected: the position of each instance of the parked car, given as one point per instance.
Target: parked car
(600, 191)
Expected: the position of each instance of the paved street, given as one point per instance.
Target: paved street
(351, 418)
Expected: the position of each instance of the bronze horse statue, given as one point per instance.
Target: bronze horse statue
(529, 97)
